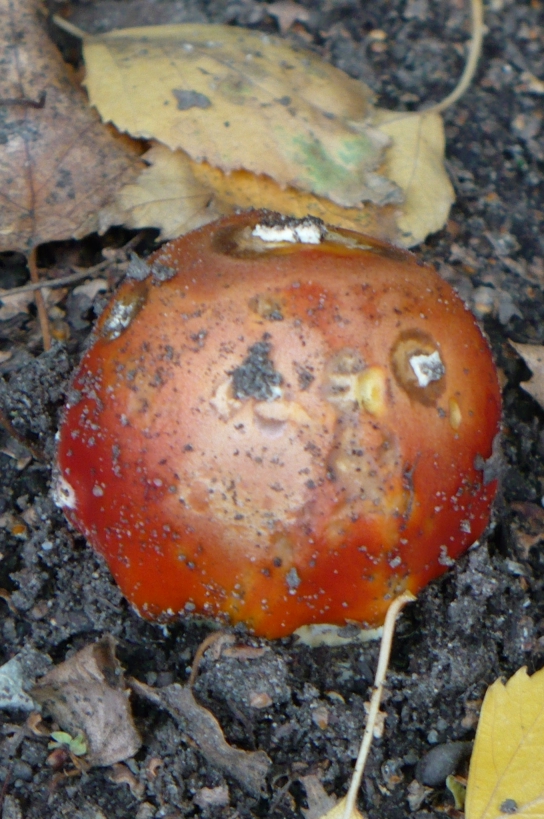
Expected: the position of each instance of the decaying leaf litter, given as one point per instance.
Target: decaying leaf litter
(447, 647)
(58, 166)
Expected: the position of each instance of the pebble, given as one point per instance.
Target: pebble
(440, 762)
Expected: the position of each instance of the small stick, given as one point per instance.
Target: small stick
(40, 301)
(26, 103)
(381, 671)
(70, 28)
(72, 278)
(201, 650)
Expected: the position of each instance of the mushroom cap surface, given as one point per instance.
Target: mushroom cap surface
(280, 423)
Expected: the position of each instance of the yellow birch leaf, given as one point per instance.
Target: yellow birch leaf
(506, 769)
(176, 195)
(240, 99)
(241, 189)
(415, 161)
(338, 811)
(166, 195)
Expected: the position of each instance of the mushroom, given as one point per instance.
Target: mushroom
(280, 423)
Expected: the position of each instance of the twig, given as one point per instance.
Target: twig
(26, 103)
(72, 278)
(201, 650)
(475, 49)
(82, 273)
(381, 671)
(40, 301)
(70, 28)
(5, 422)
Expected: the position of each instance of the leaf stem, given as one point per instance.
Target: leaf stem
(475, 49)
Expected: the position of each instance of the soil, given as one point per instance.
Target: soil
(482, 620)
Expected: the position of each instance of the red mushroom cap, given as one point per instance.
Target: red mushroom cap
(280, 423)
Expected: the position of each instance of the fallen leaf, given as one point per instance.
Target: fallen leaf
(120, 774)
(286, 13)
(415, 162)
(249, 768)
(337, 812)
(506, 767)
(533, 355)
(319, 801)
(58, 164)
(217, 797)
(241, 189)
(86, 694)
(240, 99)
(14, 305)
(247, 117)
(166, 195)
(176, 194)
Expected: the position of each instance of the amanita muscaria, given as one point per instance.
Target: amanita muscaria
(280, 423)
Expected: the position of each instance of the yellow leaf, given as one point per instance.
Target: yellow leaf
(506, 769)
(178, 195)
(338, 811)
(268, 125)
(165, 195)
(241, 189)
(415, 161)
(242, 100)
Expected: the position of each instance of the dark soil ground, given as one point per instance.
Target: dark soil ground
(483, 619)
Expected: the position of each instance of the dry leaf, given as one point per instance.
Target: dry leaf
(86, 694)
(166, 195)
(245, 113)
(533, 355)
(242, 100)
(249, 768)
(508, 759)
(241, 189)
(415, 161)
(58, 164)
(286, 13)
(177, 195)
(319, 801)
(338, 811)
(15, 304)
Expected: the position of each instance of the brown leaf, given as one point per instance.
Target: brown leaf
(286, 13)
(533, 355)
(86, 694)
(319, 801)
(58, 164)
(249, 768)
